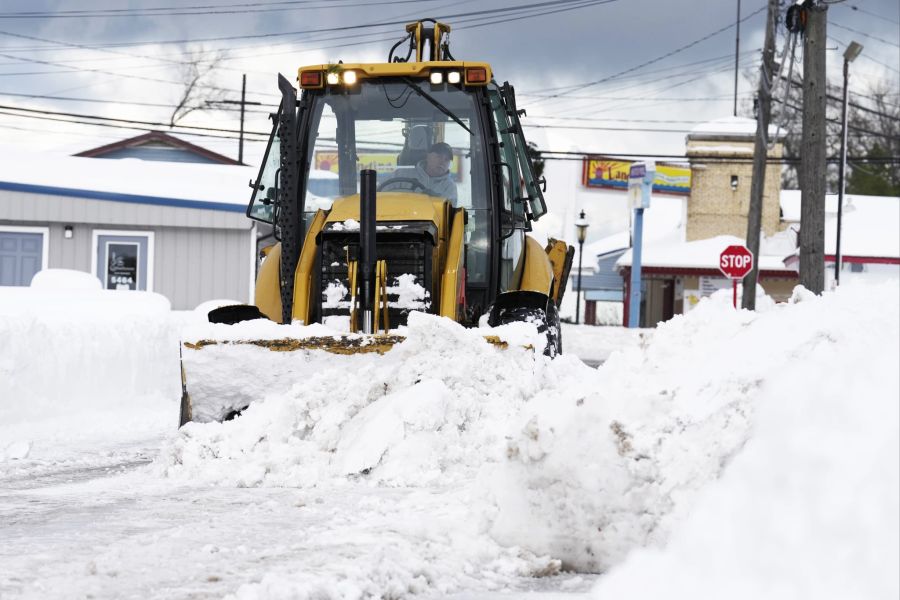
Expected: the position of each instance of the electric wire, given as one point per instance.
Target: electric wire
(652, 60)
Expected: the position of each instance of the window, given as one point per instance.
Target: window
(388, 126)
(124, 259)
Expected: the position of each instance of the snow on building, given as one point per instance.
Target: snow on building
(721, 157)
(175, 228)
(675, 276)
(681, 248)
(664, 222)
(870, 235)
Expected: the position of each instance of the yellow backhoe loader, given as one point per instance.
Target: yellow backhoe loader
(431, 193)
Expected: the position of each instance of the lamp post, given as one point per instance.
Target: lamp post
(581, 226)
(850, 55)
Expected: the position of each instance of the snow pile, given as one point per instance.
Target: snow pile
(69, 347)
(767, 442)
(809, 508)
(597, 473)
(430, 411)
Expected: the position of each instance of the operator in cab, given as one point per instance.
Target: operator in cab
(430, 175)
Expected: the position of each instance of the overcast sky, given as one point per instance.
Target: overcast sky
(74, 50)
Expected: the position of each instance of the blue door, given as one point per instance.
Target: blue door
(21, 256)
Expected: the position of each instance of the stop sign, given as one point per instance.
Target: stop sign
(735, 262)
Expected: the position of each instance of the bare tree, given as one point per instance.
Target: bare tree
(880, 173)
(197, 73)
(874, 131)
(873, 128)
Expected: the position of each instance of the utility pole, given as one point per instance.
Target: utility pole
(812, 152)
(243, 102)
(760, 154)
(737, 52)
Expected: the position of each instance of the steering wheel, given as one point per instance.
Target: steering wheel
(411, 180)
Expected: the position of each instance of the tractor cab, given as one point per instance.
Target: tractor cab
(441, 137)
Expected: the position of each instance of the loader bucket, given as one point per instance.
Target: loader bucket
(222, 377)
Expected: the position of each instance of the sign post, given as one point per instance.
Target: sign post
(640, 186)
(735, 262)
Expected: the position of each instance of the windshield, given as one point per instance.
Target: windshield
(416, 136)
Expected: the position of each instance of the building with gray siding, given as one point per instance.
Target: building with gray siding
(177, 229)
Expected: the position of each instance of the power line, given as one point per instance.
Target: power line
(130, 127)
(545, 154)
(834, 98)
(595, 128)
(870, 13)
(868, 35)
(556, 118)
(91, 100)
(195, 10)
(121, 120)
(100, 71)
(568, 5)
(656, 59)
(579, 155)
(354, 27)
(865, 55)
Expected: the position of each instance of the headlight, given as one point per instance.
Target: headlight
(333, 79)
(437, 78)
(349, 77)
(453, 77)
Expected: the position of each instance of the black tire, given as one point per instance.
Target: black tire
(554, 330)
(530, 307)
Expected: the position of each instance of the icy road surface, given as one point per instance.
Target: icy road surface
(728, 454)
(101, 524)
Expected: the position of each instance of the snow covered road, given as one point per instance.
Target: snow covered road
(114, 530)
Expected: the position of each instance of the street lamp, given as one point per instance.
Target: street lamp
(850, 55)
(581, 226)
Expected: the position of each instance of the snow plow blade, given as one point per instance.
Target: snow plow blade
(219, 379)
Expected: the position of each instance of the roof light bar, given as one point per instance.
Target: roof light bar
(311, 79)
(476, 75)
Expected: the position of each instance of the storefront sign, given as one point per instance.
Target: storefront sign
(605, 172)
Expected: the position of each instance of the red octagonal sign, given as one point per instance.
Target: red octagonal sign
(735, 262)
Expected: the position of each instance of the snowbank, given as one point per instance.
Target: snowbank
(588, 466)
(730, 454)
(71, 348)
(809, 508)
(430, 411)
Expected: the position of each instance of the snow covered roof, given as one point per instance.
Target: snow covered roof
(699, 254)
(218, 187)
(730, 127)
(870, 224)
(664, 222)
